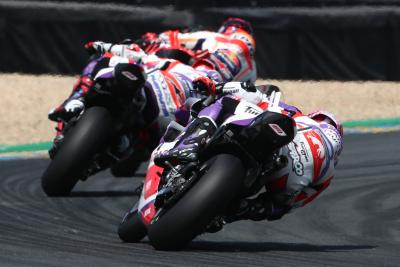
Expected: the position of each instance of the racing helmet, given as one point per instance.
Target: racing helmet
(333, 130)
(329, 118)
(240, 29)
(233, 24)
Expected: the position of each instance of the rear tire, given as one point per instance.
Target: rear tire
(80, 144)
(132, 229)
(208, 198)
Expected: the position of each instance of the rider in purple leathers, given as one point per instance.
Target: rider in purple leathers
(223, 56)
(161, 86)
(312, 154)
(167, 83)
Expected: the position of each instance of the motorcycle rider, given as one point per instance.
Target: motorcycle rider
(170, 81)
(222, 56)
(312, 155)
(231, 49)
(160, 86)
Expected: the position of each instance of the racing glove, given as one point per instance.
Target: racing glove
(206, 86)
(131, 51)
(97, 47)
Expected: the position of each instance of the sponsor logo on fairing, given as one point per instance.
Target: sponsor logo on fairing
(231, 90)
(147, 211)
(129, 75)
(278, 130)
(231, 87)
(251, 110)
(298, 167)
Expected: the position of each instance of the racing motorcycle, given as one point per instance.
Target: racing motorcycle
(95, 139)
(88, 142)
(182, 200)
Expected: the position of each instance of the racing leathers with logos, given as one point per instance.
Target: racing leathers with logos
(224, 57)
(312, 154)
(166, 85)
(221, 56)
(168, 81)
(230, 55)
(230, 51)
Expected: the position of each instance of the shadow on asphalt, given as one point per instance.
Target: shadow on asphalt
(269, 246)
(107, 193)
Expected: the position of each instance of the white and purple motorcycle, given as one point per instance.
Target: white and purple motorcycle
(182, 200)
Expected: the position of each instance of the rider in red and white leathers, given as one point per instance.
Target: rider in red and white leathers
(225, 55)
(312, 154)
(231, 49)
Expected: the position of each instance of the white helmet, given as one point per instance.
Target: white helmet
(332, 129)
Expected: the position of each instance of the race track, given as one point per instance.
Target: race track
(356, 222)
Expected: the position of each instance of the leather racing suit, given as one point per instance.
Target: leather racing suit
(168, 83)
(312, 154)
(232, 55)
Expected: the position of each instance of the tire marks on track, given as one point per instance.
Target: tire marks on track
(353, 223)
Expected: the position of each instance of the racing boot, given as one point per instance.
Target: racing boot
(75, 102)
(58, 139)
(67, 110)
(256, 209)
(190, 143)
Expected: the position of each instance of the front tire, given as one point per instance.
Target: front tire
(81, 142)
(132, 229)
(208, 198)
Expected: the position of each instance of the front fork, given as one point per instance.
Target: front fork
(151, 197)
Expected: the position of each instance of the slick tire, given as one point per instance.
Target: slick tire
(132, 229)
(208, 198)
(88, 136)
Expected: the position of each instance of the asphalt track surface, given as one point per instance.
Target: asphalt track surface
(356, 222)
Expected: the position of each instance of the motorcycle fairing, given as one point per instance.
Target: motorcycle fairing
(149, 193)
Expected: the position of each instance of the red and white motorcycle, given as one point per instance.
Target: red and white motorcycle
(182, 200)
